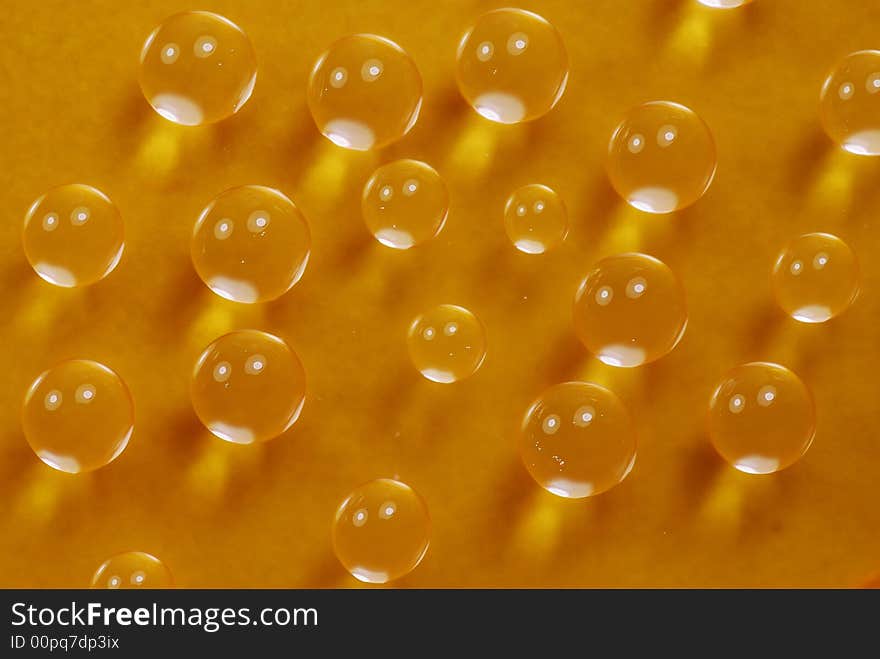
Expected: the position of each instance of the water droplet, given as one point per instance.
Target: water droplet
(849, 104)
(370, 110)
(671, 173)
(639, 327)
(452, 355)
(133, 569)
(261, 263)
(411, 218)
(389, 545)
(577, 440)
(78, 416)
(769, 434)
(197, 68)
(521, 80)
(824, 288)
(78, 252)
(248, 386)
(535, 219)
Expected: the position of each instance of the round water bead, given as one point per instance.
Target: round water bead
(248, 386)
(251, 244)
(850, 103)
(364, 92)
(512, 66)
(133, 569)
(78, 416)
(577, 440)
(630, 310)
(197, 68)
(447, 343)
(73, 235)
(661, 157)
(816, 277)
(381, 531)
(535, 219)
(724, 4)
(405, 203)
(761, 418)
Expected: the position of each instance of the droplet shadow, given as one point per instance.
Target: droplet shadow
(564, 361)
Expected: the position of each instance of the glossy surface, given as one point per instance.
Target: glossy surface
(816, 277)
(577, 440)
(511, 66)
(73, 235)
(133, 569)
(381, 531)
(78, 416)
(661, 157)
(405, 203)
(197, 68)
(251, 244)
(447, 343)
(761, 418)
(248, 386)
(535, 219)
(849, 103)
(265, 511)
(630, 310)
(364, 92)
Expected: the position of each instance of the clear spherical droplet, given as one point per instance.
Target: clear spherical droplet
(381, 531)
(661, 157)
(133, 569)
(248, 386)
(816, 277)
(78, 416)
(512, 66)
(364, 92)
(197, 68)
(73, 235)
(761, 418)
(405, 203)
(535, 219)
(630, 310)
(447, 343)
(849, 103)
(724, 4)
(251, 244)
(577, 440)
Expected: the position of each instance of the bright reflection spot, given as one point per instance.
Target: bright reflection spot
(757, 464)
(812, 313)
(436, 375)
(234, 289)
(350, 134)
(500, 107)
(623, 356)
(178, 109)
(234, 434)
(864, 143)
(654, 200)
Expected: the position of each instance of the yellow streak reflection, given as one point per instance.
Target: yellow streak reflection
(325, 181)
(211, 473)
(834, 187)
(692, 37)
(219, 316)
(478, 145)
(43, 492)
(39, 309)
(537, 530)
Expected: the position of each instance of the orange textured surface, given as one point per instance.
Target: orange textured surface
(261, 516)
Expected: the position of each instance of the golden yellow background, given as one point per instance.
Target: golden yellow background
(223, 515)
